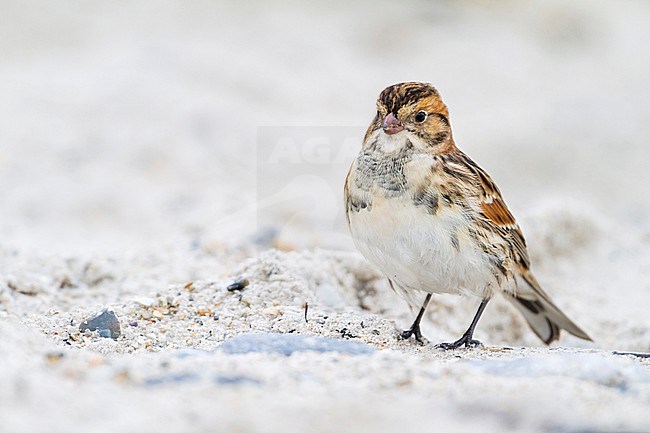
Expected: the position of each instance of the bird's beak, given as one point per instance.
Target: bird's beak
(391, 125)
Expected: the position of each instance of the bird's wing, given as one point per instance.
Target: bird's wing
(543, 316)
(495, 212)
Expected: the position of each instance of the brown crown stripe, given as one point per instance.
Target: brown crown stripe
(399, 95)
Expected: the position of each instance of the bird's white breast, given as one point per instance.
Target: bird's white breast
(418, 250)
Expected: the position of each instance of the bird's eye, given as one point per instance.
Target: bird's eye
(421, 116)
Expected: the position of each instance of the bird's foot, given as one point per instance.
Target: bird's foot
(414, 331)
(465, 340)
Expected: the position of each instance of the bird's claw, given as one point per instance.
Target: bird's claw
(415, 331)
(463, 341)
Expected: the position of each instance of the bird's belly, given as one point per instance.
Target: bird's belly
(417, 250)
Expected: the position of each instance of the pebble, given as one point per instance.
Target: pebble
(236, 380)
(145, 301)
(172, 379)
(287, 344)
(195, 377)
(106, 324)
(239, 284)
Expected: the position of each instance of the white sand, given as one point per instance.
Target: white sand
(144, 147)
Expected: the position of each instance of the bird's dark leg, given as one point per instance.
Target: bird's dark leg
(415, 327)
(466, 339)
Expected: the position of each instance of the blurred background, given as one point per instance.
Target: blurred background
(138, 125)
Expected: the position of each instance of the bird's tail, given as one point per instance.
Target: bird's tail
(542, 315)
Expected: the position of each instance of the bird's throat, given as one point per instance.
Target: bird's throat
(389, 144)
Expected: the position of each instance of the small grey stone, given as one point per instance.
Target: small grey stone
(106, 324)
(239, 284)
(236, 380)
(287, 344)
(172, 379)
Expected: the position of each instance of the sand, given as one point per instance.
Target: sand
(168, 372)
(152, 155)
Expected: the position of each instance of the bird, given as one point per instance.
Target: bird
(434, 222)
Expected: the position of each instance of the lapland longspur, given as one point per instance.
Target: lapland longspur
(433, 221)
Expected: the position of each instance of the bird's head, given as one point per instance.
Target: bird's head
(410, 114)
